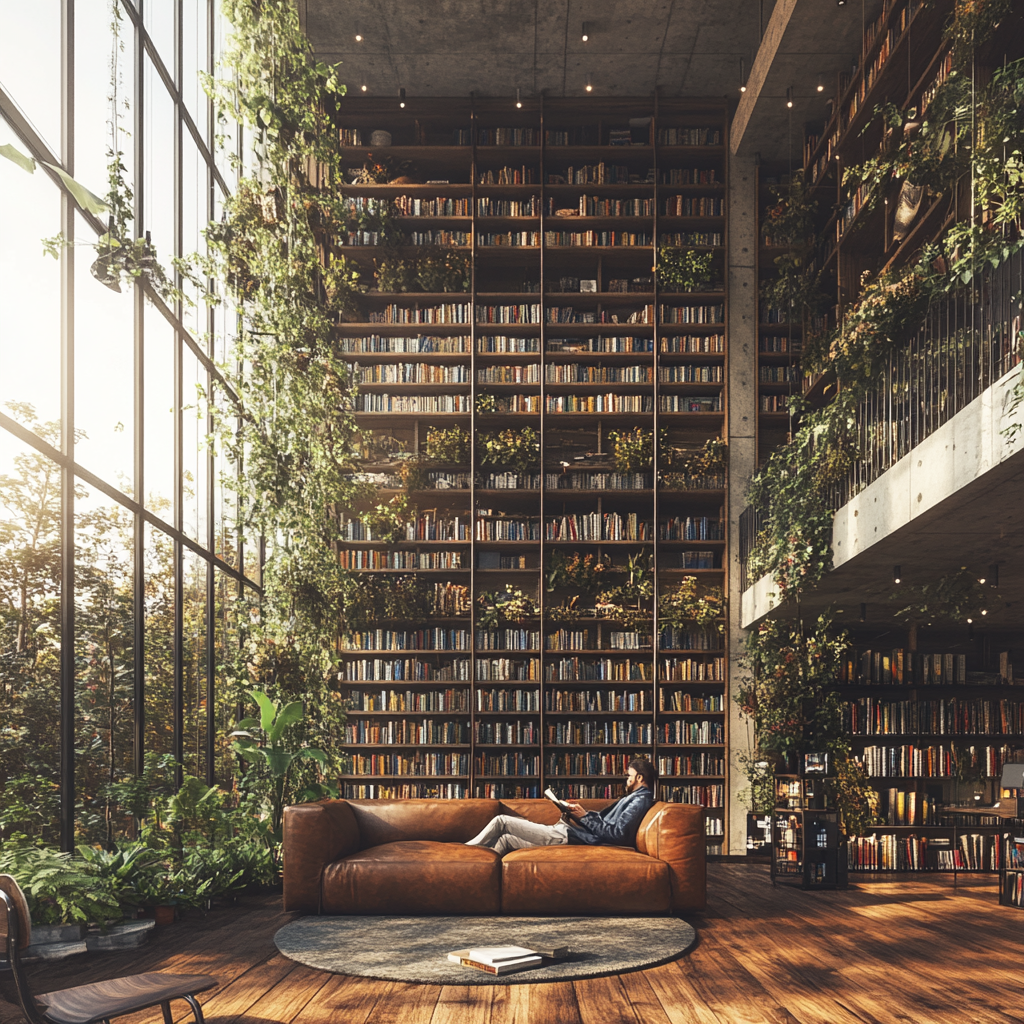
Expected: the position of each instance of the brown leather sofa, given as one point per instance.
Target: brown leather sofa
(406, 857)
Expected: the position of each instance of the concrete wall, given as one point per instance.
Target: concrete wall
(742, 438)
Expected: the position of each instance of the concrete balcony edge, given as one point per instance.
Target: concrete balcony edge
(957, 455)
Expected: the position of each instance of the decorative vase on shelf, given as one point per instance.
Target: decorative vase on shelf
(380, 138)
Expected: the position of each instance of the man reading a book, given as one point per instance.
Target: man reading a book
(614, 826)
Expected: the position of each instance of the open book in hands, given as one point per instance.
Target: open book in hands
(558, 802)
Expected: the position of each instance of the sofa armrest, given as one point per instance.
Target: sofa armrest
(315, 835)
(674, 833)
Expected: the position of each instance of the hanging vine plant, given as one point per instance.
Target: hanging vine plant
(517, 450)
(632, 450)
(689, 603)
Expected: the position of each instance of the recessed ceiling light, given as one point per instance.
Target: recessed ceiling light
(359, 38)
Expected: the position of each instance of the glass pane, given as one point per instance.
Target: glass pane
(194, 452)
(104, 373)
(159, 642)
(159, 21)
(30, 536)
(194, 663)
(104, 663)
(29, 292)
(30, 64)
(158, 442)
(194, 43)
(99, 90)
(230, 608)
(194, 221)
(158, 145)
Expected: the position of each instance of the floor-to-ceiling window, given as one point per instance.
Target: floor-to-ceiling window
(121, 564)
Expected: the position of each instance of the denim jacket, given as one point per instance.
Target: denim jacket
(616, 825)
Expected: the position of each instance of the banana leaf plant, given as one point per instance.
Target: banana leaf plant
(262, 741)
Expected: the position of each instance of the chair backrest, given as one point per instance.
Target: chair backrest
(19, 908)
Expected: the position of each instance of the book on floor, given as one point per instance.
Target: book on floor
(499, 954)
(524, 963)
(549, 951)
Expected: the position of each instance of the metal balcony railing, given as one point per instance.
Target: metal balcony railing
(968, 340)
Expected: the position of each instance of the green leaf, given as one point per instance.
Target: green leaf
(85, 199)
(279, 761)
(289, 715)
(26, 163)
(314, 753)
(268, 710)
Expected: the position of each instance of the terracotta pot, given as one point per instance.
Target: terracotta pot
(163, 915)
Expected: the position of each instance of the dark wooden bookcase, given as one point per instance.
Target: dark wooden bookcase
(565, 331)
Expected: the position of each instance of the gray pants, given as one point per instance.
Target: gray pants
(507, 832)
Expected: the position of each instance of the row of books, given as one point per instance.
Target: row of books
(519, 732)
(349, 558)
(421, 763)
(405, 791)
(693, 670)
(909, 761)
(612, 402)
(777, 343)
(582, 373)
(693, 527)
(437, 639)
(887, 852)
(511, 482)
(593, 481)
(702, 763)
(503, 404)
(376, 344)
(900, 667)
(690, 403)
(405, 670)
(410, 700)
(599, 669)
(974, 717)
(692, 733)
(448, 313)
(587, 732)
(503, 529)
(493, 669)
(507, 764)
(433, 731)
(779, 375)
(427, 526)
(597, 526)
(687, 373)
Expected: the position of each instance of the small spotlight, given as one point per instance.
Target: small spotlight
(359, 38)
(840, 3)
(821, 84)
(743, 88)
(519, 100)
(789, 97)
(363, 87)
(743, 75)
(969, 620)
(896, 576)
(982, 580)
(984, 611)
(585, 34)
(401, 98)
(590, 88)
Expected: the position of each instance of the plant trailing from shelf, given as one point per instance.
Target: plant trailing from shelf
(386, 520)
(584, 572)
(486, 403)
(683, 270)
(497, 608)
(790, 224)
(448, 445)
(443, 269)
(632, 450)
(566, 612)
(627, 600)
(393, 274)
(796, 708)
(689, 603)
(692, 469)
(414, 473)
(518, 450)
(370, 600)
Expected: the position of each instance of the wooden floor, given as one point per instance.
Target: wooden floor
(906, 950)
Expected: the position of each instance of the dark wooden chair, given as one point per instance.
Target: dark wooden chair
(85, 1004)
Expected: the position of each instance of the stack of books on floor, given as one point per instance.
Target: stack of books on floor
(506, 959)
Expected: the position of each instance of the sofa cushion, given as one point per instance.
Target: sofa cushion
(414, 877)
(590, 880)
(544, 812)
(442, 821)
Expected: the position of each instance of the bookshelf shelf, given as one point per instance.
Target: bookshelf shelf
(533, 279)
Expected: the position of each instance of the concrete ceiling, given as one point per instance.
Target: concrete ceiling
(980, 526)
(680, 47)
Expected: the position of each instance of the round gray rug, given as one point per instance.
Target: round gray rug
(416, 948)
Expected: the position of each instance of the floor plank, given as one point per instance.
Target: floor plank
(907, 950)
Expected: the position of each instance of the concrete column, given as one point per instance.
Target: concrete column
(742, 438)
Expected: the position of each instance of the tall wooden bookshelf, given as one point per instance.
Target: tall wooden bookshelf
(565, 331)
